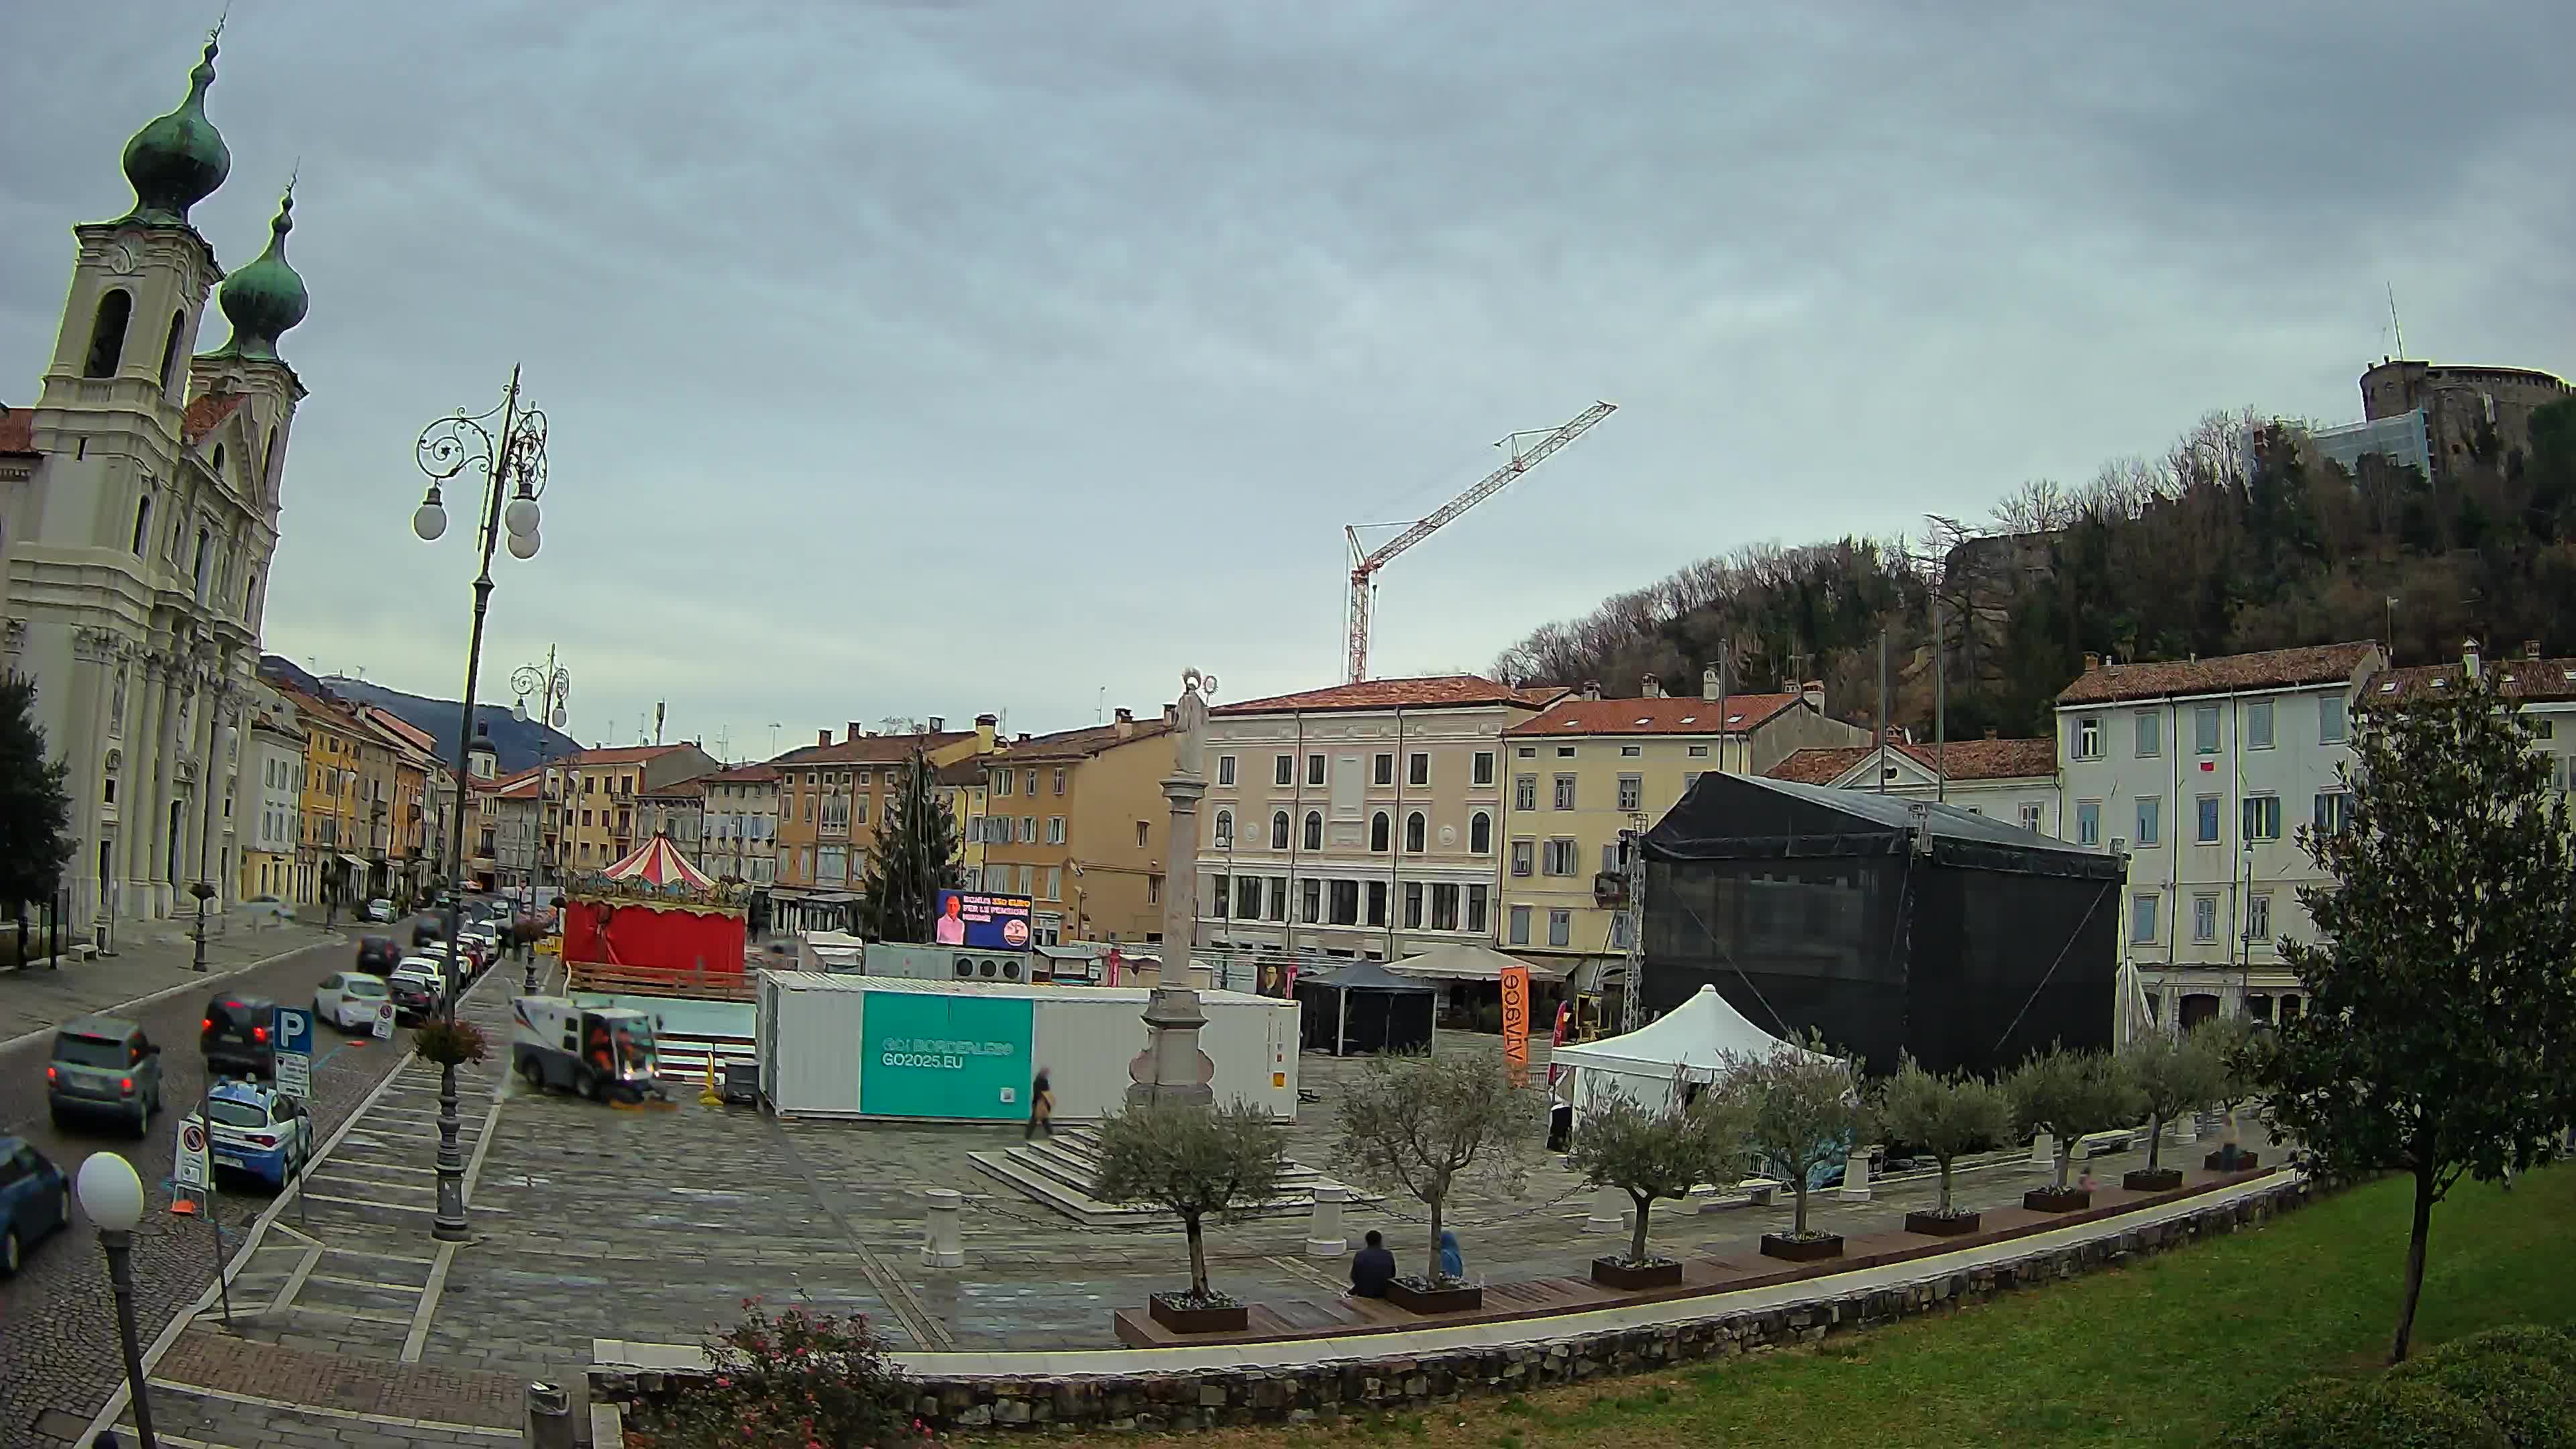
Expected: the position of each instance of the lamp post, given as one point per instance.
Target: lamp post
(513, 464)
(113, 1197)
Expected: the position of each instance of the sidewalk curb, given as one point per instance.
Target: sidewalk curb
(162, 1343)
(195, 982)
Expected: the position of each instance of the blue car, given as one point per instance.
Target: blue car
(35, 1199)
(256, 1130)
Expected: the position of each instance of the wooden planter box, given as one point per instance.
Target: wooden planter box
(1412, 1296)
(2051, 1200)
(2158, 1179)
(1614, 1273)
(1937, 1226)
(1193, 1318)
(1801, 1250)
(2244, 1162)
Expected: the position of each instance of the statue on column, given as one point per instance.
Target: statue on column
(1189, 726)
(1172, 1068)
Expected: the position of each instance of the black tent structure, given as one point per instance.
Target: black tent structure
(1888, 924)
(1363, 1007)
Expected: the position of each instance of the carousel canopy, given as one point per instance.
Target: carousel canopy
(658, 864)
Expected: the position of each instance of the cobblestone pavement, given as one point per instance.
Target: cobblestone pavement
(220, 1391)
(57, 1326)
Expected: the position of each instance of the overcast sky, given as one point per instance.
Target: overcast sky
(918, 359)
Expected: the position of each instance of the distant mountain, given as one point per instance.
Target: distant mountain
(516, 742)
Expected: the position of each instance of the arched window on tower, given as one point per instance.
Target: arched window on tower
(170, 351)
(250, 596)
(219, 462)
(142, 523)
(107, 334)
(268, 464)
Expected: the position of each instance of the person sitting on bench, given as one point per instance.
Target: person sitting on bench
(1372, 1267)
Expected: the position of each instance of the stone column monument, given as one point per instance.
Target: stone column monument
(1172, 1068)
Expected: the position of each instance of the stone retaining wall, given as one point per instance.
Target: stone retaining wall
(1393, 1382)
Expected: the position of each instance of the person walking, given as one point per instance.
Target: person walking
(1372, 1267)
(1041, 1107)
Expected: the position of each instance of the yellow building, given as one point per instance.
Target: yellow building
(594, 821)
(961, 789)
(1583, 770)
(329, 864)
(832, 800)
(1077, 822)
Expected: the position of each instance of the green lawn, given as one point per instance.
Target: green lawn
(2156, 1354)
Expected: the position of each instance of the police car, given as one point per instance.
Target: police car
(257, 1130)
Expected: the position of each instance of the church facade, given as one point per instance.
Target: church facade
(138, 516)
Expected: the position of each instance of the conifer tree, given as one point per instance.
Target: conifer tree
(915, 857)
(35, 811)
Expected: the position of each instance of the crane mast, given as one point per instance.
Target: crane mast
(1366, 563)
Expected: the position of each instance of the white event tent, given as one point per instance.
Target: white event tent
(1649, 1065)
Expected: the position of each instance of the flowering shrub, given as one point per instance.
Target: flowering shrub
(798, 1380)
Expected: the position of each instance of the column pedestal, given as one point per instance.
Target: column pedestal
(1324, 1228)
(1855, 1186)
(943, 1243)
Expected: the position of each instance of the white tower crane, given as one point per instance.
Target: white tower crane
(1365, 564)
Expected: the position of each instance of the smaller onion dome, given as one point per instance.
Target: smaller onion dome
(266, 298)
(179, 159)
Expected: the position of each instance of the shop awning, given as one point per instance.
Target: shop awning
(355, 862)
(1469, 962)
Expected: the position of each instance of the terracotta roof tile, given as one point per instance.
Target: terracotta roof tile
(744, 775)
(17, 430)
(1080, 744)
(1439, 691)
(2531, 679)
(207, 413)
(872, 749)
(966, 772)
(1961, 759)
(1666, 716)
(2228, 673)
(621, 755)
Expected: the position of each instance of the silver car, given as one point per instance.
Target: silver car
(103, 1066)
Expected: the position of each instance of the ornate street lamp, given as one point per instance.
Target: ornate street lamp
(513, 464)
(113, 1197)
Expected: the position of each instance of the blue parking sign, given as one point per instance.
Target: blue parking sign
(295, 1052)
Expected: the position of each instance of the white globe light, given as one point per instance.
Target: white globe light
(519, 711)
(521, 515)
(110, 1192)
(523, 545)
(429, 521)
(561, 717)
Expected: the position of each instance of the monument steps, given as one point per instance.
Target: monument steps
(1057, 1172)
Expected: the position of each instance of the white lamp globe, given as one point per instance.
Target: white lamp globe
(429, 520)
(523, 545)
(562, 716)
(521, 515)
(110, 1192)
(519, 711)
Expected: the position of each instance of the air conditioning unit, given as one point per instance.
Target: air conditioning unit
(1010, 970)
(965, 967)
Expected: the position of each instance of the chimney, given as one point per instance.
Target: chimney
(1814, 692)
(2092, 661)
(822, 737)
(1652, 688)
(1709, 688)
(1023, 739)
(2469, 658)
(1592, 689)
(1126, 723)
(2530, 648)
(939, 724)
(856, 732)
(985, 727)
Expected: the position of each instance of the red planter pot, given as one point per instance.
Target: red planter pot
(2158, 1179)
(1182, 1317)
(1413, 1297)
(1938, 1226)
(2051, 1200)
(1802, 1250)
(1615, 1273)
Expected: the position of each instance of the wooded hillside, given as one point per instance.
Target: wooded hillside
(2240, 537)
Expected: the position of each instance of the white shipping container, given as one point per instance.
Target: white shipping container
(888, 1048)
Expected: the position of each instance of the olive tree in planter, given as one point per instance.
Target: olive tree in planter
(2174, 1075)
(1197, 1163)
(1946, 1118)
(1657, 1153)
(2069, 1095)
(1805, 1109)
(1421, 1124)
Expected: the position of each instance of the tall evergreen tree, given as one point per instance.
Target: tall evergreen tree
(915, 857)
(35, 811)
(2441, 1014)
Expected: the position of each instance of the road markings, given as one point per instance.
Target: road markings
(325, 1411)
(294, 1283)
(418, 1338)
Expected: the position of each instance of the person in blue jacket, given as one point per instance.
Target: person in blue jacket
(1453, 1263)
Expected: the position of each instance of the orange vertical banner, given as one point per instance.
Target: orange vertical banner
(1516, 1010)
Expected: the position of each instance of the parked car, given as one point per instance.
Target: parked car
(35, 1199)
(268, 908)
(235, 1036)
(417, 988)
(380, 910)
(428, 927)
(378, 954)
(351, 1000)
(103, 1066)
(258, 1130)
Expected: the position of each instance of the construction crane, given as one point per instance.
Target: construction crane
(1366, 563)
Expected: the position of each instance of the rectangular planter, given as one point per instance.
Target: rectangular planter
(1802, 1250)
(2050, 1200)
(1612, 1273)
(1937, 1226)
(2159, 1179)
(2245, 1162)
(1180, 1318)
(1407, 1295)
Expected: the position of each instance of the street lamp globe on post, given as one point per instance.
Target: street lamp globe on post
(507, 445)
(113, 1197)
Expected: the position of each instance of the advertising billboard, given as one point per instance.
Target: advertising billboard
(984, 922)
(945, 1056)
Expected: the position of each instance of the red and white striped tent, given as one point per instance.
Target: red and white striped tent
(657, 864)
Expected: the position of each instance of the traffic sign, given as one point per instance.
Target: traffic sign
(295, 1053)
(190, 1170)
(384, 1020)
